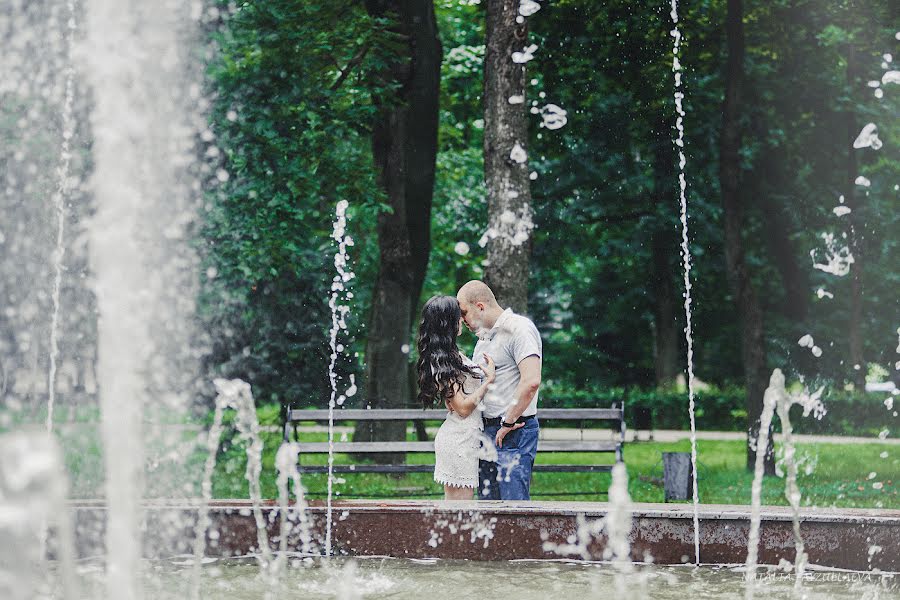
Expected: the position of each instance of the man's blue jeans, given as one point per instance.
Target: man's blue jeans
(510, 477)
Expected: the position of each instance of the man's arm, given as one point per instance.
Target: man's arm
(529, 382)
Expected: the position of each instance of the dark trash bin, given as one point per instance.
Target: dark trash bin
(677, 475)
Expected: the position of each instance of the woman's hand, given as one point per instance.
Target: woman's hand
(489, 368)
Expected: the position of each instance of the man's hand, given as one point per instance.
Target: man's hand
(503, 431)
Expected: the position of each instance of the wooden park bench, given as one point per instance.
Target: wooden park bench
(615, 417)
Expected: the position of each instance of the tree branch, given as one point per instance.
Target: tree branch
(626, 216)
(354, 62)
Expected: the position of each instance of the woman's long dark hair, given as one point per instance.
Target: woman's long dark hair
(440, 365)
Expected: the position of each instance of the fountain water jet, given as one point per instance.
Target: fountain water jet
(686, 264)
(33, 490)
(59, 202)
(617, 524)
(338, 323)
(234, 394)
(778, 401)
(286, 460)
(143, 277)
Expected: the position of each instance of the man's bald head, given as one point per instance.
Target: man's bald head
(476, 291)
(478, 305)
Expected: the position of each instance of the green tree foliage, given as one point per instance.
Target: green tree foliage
(301, 141)
(292, 113)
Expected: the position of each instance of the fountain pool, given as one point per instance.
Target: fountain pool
(381, 577)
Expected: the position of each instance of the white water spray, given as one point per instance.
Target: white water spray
(686, 264)
(778, 400)
(790, 485)
(59, 205)
(286, 462)
(143, 146)
(33, 491)
(338, 323)
(233, 394)
(762, 441)
(616, 524)
(837, 259)
(120, 130)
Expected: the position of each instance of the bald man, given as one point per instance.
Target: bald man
(510, 405)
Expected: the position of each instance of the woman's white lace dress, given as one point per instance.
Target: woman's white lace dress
(459, 443)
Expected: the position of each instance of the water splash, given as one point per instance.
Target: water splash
(232, 394)
(518, 154)
(525, 55)
(841, 210)
(286, 462)
(59, 204)
(528, 7)
(515, 229)
(837, 260)
(790, 486)
(339, 314)
(474, 524)
(33, 490)
(777, 400)
(686, 266)
(868, 138)
(762, 442)
(553, 117)
(616, 524)
(807, 342)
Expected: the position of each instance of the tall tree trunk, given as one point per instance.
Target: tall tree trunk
(749, 312)
(853, 201)
(505, 163)
(404, 145)
(667, 339)
(770, 183)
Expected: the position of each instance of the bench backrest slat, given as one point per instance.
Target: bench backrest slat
(415, 414)
(396, 447)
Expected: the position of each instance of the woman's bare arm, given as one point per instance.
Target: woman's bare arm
(463, 404)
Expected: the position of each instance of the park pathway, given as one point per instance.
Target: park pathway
(659, 435)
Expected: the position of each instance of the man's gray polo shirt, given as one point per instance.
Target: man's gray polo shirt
(511, 339)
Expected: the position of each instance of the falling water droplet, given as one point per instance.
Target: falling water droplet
(518, 154)
(868, 138)
(528, 7)
(525, 55)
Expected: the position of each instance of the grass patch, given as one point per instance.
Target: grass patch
(831, 475)
(838, 477)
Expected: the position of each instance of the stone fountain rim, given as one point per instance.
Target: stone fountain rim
(543, 508)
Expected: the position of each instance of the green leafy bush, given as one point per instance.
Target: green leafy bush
(847, 413)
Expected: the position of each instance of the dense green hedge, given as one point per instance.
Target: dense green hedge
(848, 413)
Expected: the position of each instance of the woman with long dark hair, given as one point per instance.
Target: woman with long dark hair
(448, 377)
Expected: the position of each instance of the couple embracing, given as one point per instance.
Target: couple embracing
(489, 438)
